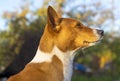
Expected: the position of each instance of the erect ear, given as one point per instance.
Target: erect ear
(53, 19)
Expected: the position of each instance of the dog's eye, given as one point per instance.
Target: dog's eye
(78, 24)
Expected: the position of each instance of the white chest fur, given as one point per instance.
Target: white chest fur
(65, 57)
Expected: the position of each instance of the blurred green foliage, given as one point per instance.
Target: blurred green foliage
(22, 28)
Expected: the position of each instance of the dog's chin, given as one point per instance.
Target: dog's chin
(88, 44)
(91, 43)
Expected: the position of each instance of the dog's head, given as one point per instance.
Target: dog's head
(68, 34)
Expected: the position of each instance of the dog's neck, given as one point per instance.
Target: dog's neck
(65, 57)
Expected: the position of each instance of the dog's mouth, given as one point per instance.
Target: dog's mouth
(88, 43)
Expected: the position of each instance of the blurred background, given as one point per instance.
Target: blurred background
(22, 23)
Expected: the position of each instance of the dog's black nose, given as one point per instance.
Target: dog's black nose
(100, 32)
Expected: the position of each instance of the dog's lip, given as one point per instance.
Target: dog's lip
(88, 42)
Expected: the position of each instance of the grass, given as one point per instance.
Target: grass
(95, 78)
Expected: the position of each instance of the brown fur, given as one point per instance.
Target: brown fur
(41, 72)
(65, 33)
(71, 36)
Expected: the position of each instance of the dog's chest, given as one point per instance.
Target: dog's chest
(65, 58)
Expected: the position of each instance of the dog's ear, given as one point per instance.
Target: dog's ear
(53, 18)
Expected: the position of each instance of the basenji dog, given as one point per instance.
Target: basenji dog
(62, 37)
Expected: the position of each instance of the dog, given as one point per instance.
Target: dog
(62, 37)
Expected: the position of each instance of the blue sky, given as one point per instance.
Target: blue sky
(7, 5)
(12, 5)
